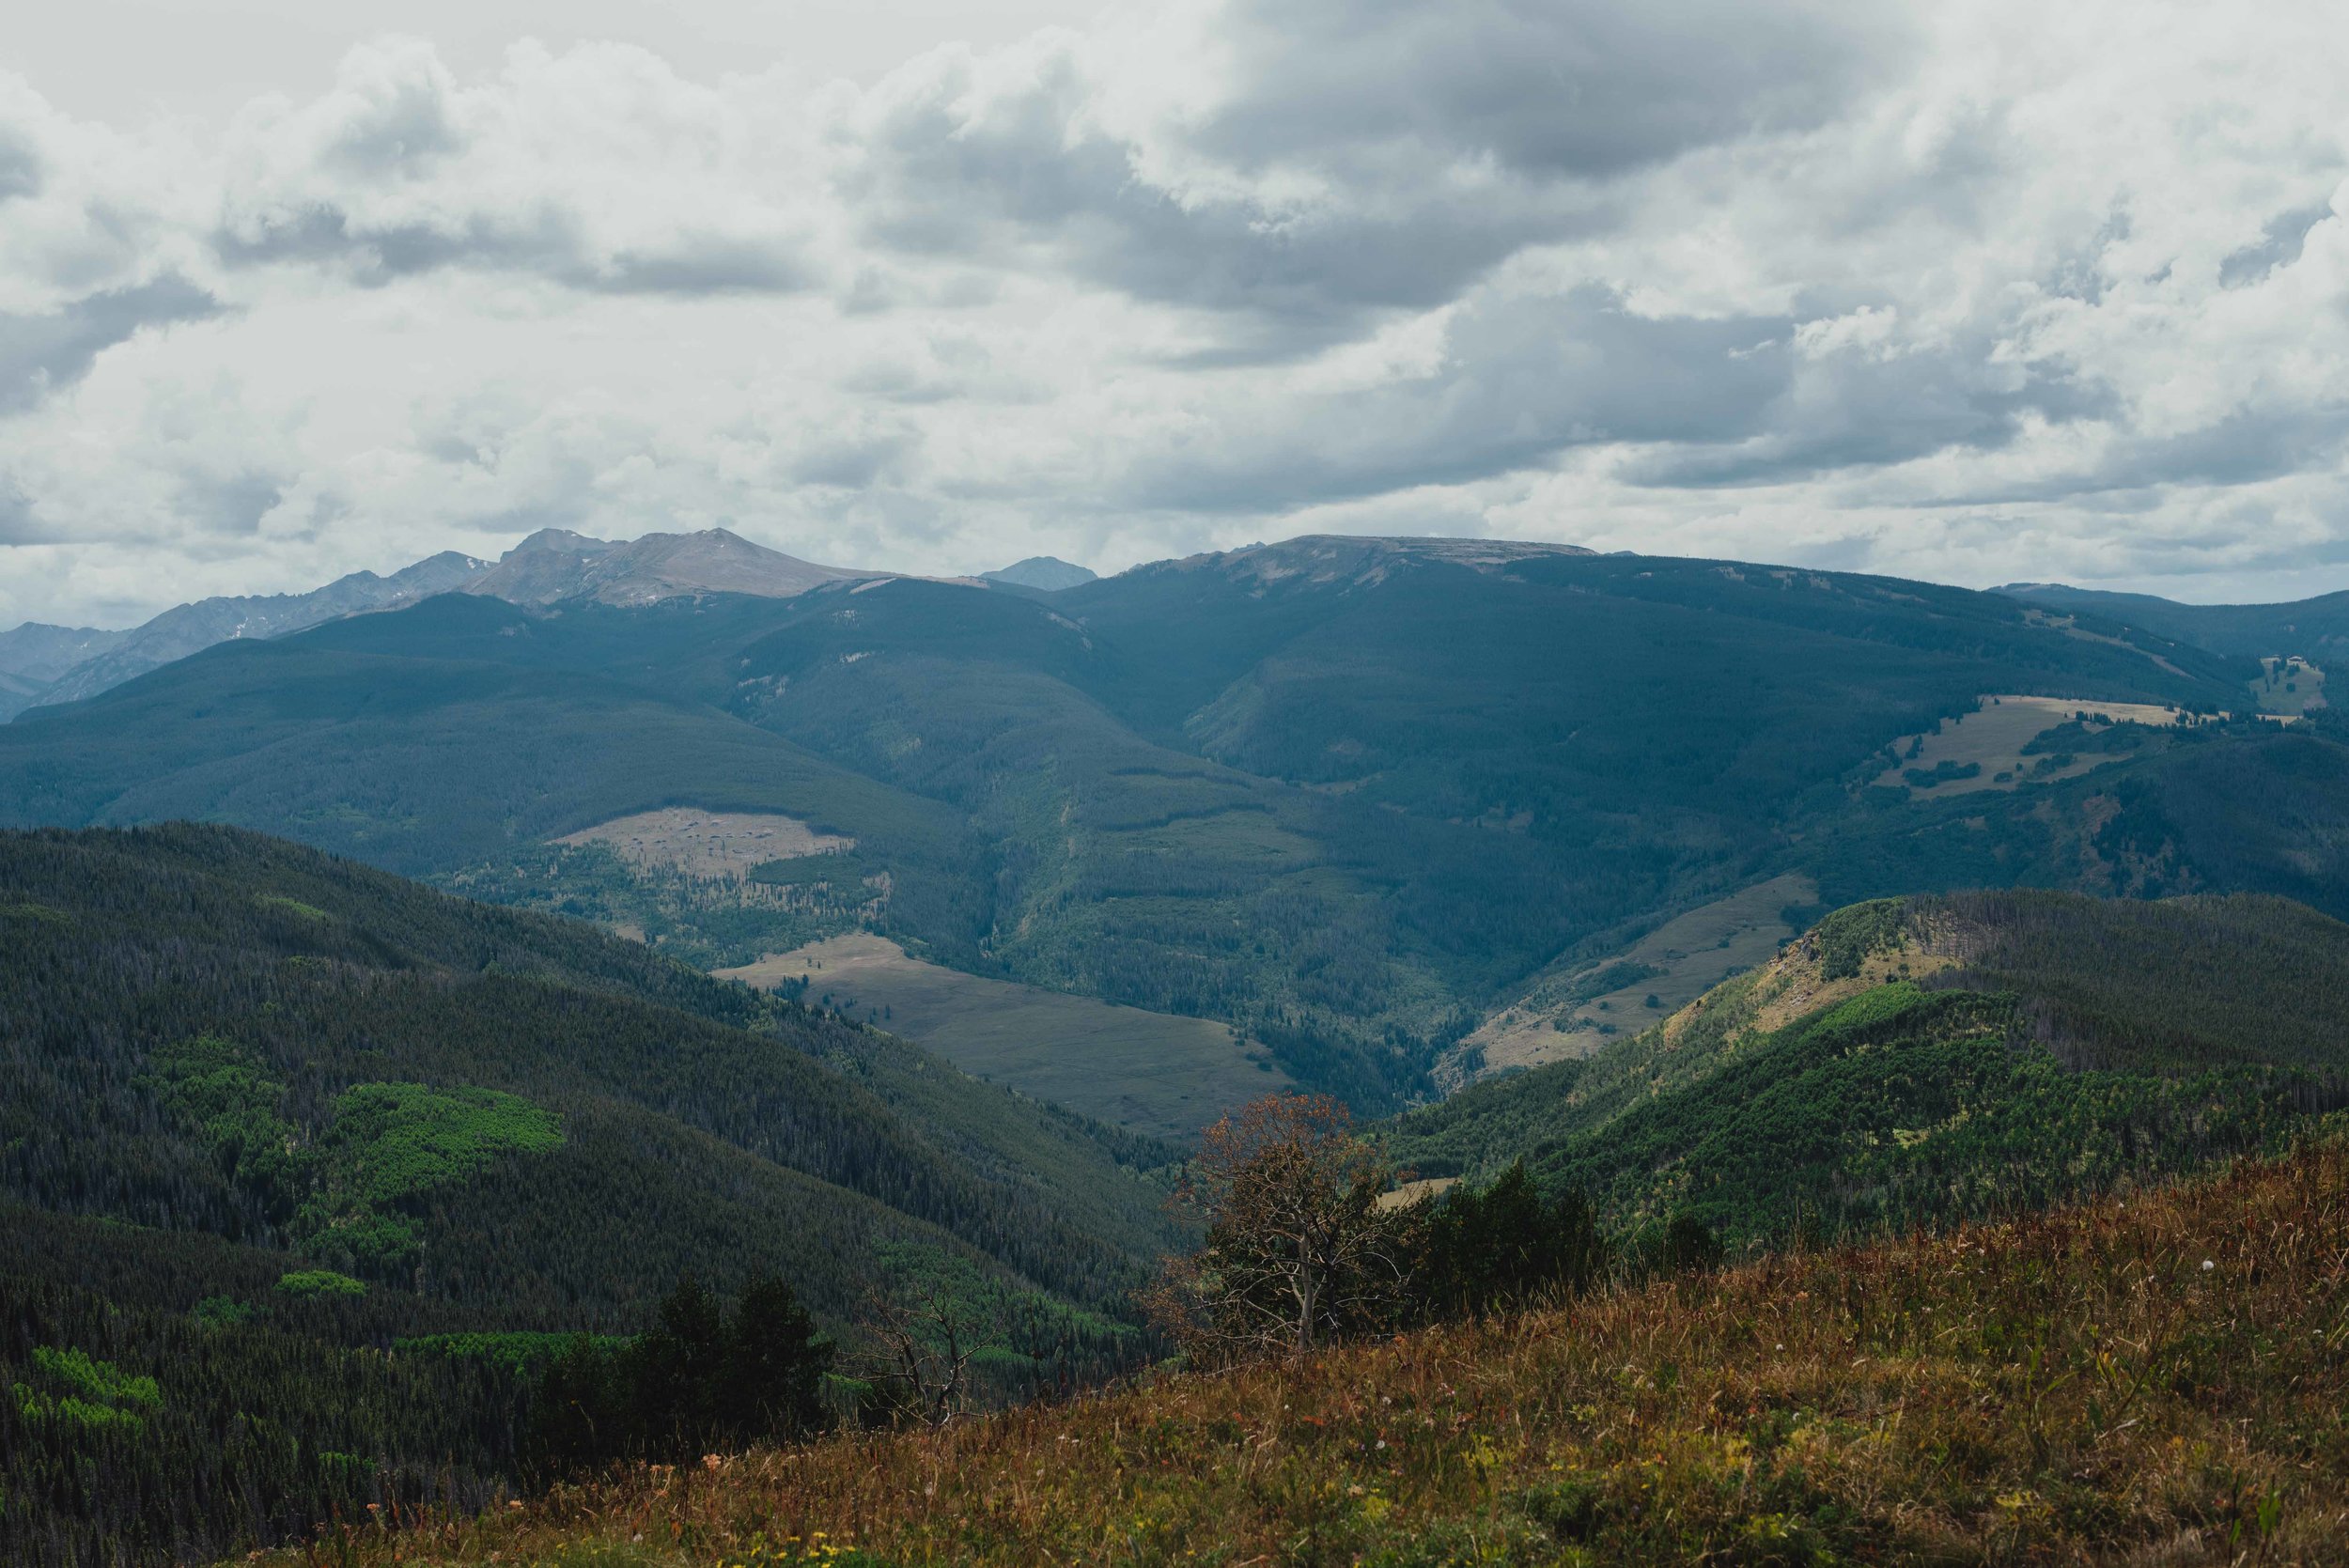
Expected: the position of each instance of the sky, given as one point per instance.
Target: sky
(1976, 293)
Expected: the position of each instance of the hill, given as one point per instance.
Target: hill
(1913, 1061)
(1349, 797)
(2157, 1379)
(241, 1074)
(2317, 627)
(1046, 574)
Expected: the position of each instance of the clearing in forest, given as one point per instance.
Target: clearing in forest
(1152, 1072)
(1986, 748)
(2291, 685)
(1573, 1013)
(709, 844)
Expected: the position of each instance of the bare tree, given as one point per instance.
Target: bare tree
(919, 1361)
(1297, 1250)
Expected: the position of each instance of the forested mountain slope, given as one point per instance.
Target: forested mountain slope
(2317, 627)
(1345, 795)
(228, 1063)
(1917, 1060)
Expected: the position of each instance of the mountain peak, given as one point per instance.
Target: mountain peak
(559, 541)
(1046, 573)
(554, 564)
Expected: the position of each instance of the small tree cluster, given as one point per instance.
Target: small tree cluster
(1300, 1249)
(700, 1380)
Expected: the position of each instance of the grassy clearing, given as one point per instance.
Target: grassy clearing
(1152, 1072)
(1576, 1013)
(1988, 748)
(2288, 686)
(708, 844)
(2161, 1378)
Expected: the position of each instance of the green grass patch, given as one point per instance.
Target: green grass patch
(293, 907)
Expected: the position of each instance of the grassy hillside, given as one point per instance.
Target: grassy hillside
(264, 1065)
(2159, 1380)
(1349, 797)
(1155, 1072)
(1919, 1060)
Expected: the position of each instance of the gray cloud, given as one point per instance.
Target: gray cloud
(20, 524)
(546, 242)
(1522, 380)
(41, 354)
(2278, 246)
(1434, 143)
(20, 165)
(1547, 88)
(1863, 410)
(230, 503)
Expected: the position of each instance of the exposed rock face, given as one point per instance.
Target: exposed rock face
(553, 565)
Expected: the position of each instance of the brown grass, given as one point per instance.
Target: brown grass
(1154, 1072)
(2160, 1379)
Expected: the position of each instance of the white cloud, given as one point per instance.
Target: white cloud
(1980, 293)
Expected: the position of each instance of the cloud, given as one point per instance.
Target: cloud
(600, 170)
(2278, 246)
(1985, 293)
(44, 353)
(1315, 161)
(1518, 380)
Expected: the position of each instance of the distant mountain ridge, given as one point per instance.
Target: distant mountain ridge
(44, 665)
(38, 653)
(1046, 573)
(193, 628)
(555, 565)
(2316, 627)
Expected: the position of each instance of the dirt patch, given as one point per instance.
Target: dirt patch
(722, 845)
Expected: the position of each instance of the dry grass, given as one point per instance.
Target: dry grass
(1153, 1072)
(711, 844)
(1693, 953)
(2160, 1380)
(1993, 737)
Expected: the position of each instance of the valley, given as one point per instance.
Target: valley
(529, 978)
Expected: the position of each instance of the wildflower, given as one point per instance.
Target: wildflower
(2208, 1266)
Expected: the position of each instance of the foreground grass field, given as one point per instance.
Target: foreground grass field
(2161, 1378)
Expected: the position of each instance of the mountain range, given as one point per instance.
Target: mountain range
(45, 665)
(362, 1048)
(1398, 811)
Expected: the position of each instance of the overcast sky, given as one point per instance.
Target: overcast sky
(1975, 293)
